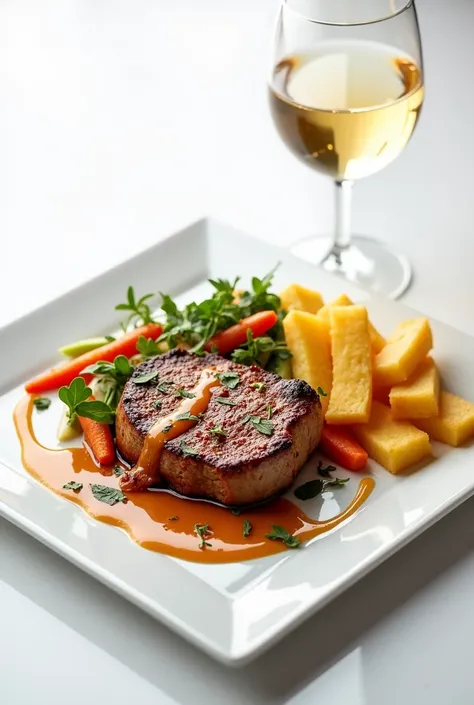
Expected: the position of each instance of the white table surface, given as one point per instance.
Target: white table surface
(121, 120)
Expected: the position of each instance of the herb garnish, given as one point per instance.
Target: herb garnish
(157, 404)
(337, 482)
(259, 386)
(218, 431)
(187, 451)
(175, 517)
(118, 471)
(313, 488)
(143, 379)
(264, 426)
(163, 387)
(202, 530)
(187, 417)
(140, 312)
(110, 338)
(269, 411)
(108, 495)
(325, 471)
(247, 528)
(257, 350)
(321, 392)
(228, 379)
(184, 394)
(76, 396)
(167, 428)
(114, 375)
(42, 403)
(72, 485)
(236, 511)
(278, 533)
(147, 347)
(226, 401)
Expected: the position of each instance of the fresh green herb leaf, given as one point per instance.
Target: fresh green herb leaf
(110, 338)
(147, 347)
(72, 485)
(259, 298)
(175, 517)
(228, 379)
(321, 392)
(202, 530)
(140, 311)
(247, 528)
(157, 404)
(108, 495)
(167, 428)
(325, 471)
(75, 397)
(97, 411)
(225, 401)
(257, 350)
(187, 417)
(218, 431)
(278, 533)
(310, 489)
(236, 511)
(184, 394)
(264, 426)
(337, 482)
(118, 471)
(269, 411)
(187, 451)
(113, 375)
(143, 379)
(42, 403)
(164, 387)
(259, 386)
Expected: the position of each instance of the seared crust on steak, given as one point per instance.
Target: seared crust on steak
(244, 467)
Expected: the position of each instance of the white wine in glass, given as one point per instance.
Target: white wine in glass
(346, 92)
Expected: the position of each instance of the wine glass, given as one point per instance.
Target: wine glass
(346, 92)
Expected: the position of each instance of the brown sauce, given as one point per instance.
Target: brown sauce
(146, 515)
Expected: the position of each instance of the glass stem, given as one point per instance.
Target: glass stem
(342, 238)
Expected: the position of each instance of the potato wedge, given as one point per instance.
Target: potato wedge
(377, 340)
(298, 298)
(393, 444)
(351, 393)
(307, 338)
(418, 397)
(455, 423)
(405, 349)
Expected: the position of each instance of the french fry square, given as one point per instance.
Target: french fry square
(418, 397)
(455, 423)
(405, 349)
(298, 298)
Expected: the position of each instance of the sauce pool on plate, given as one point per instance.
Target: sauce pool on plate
(164, 522)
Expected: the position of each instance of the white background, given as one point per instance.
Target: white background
(121, 120)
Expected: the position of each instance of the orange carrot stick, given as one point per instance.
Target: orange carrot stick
(98, 437)
(231, 338)
(342, 448)
(65, 373)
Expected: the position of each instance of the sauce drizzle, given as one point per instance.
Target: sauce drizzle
(146, 516)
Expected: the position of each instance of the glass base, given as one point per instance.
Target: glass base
(367, 262)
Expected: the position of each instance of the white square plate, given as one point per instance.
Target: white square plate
(231, 611)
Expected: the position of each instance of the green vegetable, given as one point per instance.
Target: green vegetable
(112, 377)
(118, 471)
(140, 311)
(225, 401)
(147, 347)
(202, 530)
(187, 451)
(228, 379)
(218, 431)
(184, 394)
(68, 431)
(278, 533)
(108, 495)
(76, 396)
(72, 485)
(258, 350)
(247, 528)
(261, 425)
(143, 379)
(42, 403)
(83, 346)
(187, 417)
